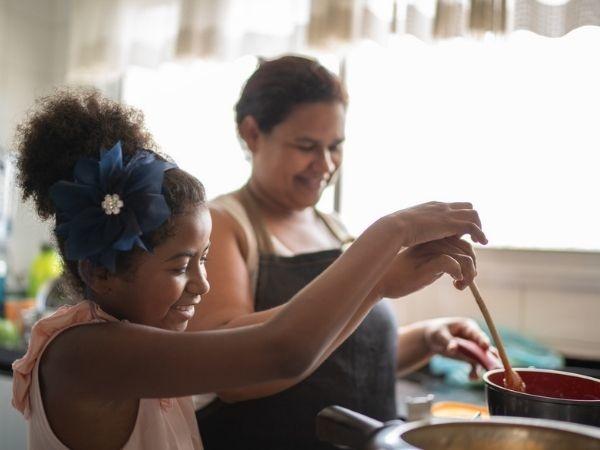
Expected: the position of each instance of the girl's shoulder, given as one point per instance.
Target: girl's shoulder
(43, 334)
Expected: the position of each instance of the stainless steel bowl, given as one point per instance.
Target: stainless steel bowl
(345, 428)
(499, 434)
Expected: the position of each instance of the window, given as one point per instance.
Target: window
(189, 110)
(509, 124)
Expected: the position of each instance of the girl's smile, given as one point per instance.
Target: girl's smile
(185, 311)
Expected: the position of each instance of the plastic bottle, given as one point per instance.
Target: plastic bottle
(47, 265)
(3, 273)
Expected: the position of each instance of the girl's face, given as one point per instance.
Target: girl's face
(295, 161)
(168, 283)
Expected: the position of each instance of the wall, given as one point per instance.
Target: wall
(551, 296)
(33, 49)
(33, 56)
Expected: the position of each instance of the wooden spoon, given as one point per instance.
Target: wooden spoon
(512, 380)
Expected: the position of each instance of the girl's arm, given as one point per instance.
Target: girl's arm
(121, 361)
(231, 304)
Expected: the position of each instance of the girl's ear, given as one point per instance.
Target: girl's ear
(96, 278)
(249, 132)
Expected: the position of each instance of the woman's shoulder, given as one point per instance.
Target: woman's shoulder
(230, 216)
(230, 200)
(227, 206)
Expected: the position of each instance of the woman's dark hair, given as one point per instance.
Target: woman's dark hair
(278, 85)
(75, 123)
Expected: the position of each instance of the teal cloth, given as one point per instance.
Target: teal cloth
(522, 352)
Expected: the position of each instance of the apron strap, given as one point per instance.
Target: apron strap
(263, 238)
(336, 228)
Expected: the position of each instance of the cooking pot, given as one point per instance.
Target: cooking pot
(348, 429)
(550, 394)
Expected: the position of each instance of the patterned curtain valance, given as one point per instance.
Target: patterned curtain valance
(108, 35)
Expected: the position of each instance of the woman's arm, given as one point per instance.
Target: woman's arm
(413, 351)
(419, 341)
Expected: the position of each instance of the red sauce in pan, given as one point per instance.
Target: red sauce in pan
(555, 385)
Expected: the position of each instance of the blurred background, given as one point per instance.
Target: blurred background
(494, 101)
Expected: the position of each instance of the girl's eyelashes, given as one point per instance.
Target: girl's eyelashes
(180, 270)
(184, 269)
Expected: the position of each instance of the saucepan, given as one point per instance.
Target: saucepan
(550, 394)
(348, 429)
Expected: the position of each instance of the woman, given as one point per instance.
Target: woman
(269, 241)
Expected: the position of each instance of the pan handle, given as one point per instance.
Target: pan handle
(488, 360)
(343, 427)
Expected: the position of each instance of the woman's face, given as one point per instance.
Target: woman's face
(294, 162)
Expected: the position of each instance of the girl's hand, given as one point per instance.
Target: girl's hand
(419, 266)
(440, 338)
(434, 220)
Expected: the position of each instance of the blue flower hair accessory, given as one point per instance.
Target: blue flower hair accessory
(110, 206)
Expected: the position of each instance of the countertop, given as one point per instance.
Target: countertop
(422, 382)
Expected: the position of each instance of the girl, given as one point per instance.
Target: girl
(114, 370)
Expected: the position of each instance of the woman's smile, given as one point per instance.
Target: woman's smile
(313, 183)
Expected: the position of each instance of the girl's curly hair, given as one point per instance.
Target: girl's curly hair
(75, 123)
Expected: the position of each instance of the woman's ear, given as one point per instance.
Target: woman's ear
(96, 278)
(249, 132)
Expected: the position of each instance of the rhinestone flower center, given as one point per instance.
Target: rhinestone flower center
(112, 204)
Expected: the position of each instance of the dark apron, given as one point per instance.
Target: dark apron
(359, 375)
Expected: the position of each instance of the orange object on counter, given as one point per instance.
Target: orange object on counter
(13, 309)
(459, 410)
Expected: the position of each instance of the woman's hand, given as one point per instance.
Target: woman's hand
(440, 337)
(435, 220)
(417, 267)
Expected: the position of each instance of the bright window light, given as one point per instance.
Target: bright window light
(189, 110)
(509, 124)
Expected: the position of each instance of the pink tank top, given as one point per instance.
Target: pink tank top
(160, 424)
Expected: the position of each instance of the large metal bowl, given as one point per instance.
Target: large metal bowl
(348, 429)
(499, 434)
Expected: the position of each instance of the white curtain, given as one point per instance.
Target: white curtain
(108, 35)
(556, 19)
